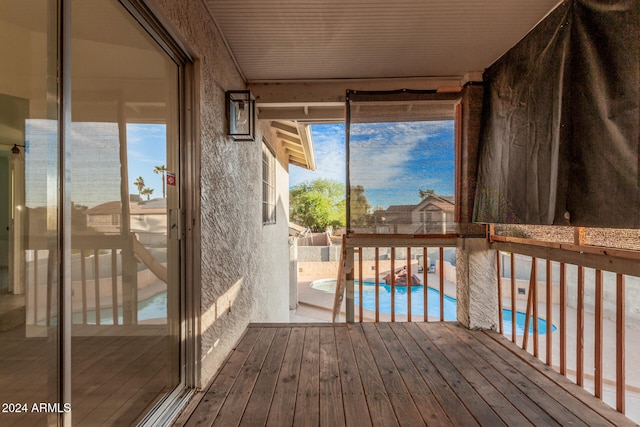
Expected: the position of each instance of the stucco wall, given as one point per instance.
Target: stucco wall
(242, 279)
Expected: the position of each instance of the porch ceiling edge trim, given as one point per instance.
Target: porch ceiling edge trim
(287, 92)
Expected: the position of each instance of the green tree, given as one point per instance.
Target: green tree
(426, 193)
(318, 204)
(147, 192)
(161, 170)
(139, 182)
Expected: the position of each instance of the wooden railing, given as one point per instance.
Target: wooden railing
(360, 250)
(605, 272)
(94, 288)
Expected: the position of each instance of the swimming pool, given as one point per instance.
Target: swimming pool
(417, 303)
(151, 308)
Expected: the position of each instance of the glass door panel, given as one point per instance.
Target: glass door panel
(125, 195)
(29, 210)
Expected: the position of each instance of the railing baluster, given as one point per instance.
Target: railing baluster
(425, 275)
(498, 266)
(409, 284)
(348, 271)
(393, 282)
(96, 280)
(360, 285)
(441, 262)
(563, 319)
(377, 284)
(514, 305)
(35, 287)
(114, 285)
(83, 280)
(580, 329)
(620, 343)
(598, 338)
(549, 302)
(536, 332)
(527, 317)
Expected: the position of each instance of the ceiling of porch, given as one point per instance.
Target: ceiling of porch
(300, 56)
(371, 39)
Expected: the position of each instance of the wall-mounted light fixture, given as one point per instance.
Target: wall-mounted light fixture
(15, 149)
(241, 110)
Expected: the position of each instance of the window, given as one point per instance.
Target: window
(268, 185)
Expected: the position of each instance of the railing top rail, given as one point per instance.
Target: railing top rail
(609, 259)
(401, 240)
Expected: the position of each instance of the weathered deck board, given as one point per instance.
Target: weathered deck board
(254, 414)
(407, 374)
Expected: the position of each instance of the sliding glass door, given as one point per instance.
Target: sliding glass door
(91, 296)
(29, 208)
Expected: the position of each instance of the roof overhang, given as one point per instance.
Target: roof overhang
(295, 138)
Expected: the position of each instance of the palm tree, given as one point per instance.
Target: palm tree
(140, 184)
(161, 170)
(147, 192)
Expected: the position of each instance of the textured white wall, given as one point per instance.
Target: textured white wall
(272, 293)
(244, 264)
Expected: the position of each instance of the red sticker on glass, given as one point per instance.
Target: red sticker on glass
(171, 178)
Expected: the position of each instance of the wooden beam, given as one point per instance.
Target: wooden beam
(293, 147)
(333, 91)
(284, 128)
(322, 114)
(290, 138)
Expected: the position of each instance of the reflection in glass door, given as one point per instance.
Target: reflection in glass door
(125, 200)
(29, 171)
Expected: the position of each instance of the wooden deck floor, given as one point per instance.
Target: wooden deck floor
(407, 374)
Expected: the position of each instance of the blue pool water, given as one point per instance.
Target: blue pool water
(417, 303)
(152, 308)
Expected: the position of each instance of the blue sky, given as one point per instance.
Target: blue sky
(147, 148)
(95, 160)
(391, 160)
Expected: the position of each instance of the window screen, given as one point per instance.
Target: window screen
(401, 163)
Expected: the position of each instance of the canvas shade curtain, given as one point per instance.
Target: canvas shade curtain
(559, 141)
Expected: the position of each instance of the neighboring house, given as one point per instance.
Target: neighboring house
(148, 219)
(433, 215)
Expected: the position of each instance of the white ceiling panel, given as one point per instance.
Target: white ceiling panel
(364, 39)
